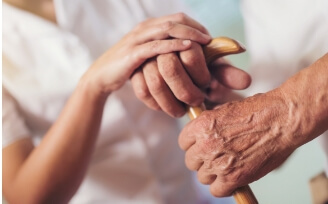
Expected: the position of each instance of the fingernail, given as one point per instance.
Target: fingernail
(186, 42)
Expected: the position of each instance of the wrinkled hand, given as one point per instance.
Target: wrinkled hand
(148, 39)
(239, 142)
(172, 80)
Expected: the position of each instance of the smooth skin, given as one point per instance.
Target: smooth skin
(31, 173)
(241, 141)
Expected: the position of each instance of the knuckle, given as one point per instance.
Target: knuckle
(189, 58)
(156, 84)
(168, 25)
(205, 123)
(132, 57)
(205, 116)
(220, 190)
(142, 93)
(188, 163)
(186, 97)
(169, 67)
(216, 193)
(205, 178)
(196, 65)
(192, 33)
(181, 17)
(189, 98)
(154, 45)
(181, 142)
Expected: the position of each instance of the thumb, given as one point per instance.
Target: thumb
(230, 76)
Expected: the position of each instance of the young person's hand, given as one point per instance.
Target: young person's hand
(148, 39)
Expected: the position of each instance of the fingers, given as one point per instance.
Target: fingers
(194, 63)
(187, 137)
(169, 29)
(193, 158)
(178, 80)
(166, 85)
(205, 176)
(161, 92)
(148, 50)
(179, 18)
(141, 90)
(221, 189)
(230, 76)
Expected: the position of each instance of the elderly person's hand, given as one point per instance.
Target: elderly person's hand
(169, 81)
(231, 145)
(241, 141)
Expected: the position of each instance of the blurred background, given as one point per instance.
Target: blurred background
(289, 183)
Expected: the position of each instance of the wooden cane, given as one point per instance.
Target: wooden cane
(217, 48)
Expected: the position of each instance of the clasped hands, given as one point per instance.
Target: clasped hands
(229, 146)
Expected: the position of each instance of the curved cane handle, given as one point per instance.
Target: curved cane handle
(217, 48)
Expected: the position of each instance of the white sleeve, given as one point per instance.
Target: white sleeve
(13, 125)
(159, 8)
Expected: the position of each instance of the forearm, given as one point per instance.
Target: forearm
(306, 95)
(54, 170)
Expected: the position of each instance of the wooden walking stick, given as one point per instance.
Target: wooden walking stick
(217, 48)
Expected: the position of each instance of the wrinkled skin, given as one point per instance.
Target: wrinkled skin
(238, 142)
(170, 81)
(241, 141)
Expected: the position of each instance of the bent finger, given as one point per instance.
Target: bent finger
(187, 136)
(161, 92)
(221, 189)
(178, 80)
(193, 61)
(141, 90)
(205, 176)
(193, 158)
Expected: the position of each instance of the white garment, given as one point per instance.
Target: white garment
(136, 158)
(284, 37)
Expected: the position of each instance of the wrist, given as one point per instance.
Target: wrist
(91, 89)
(306, 97)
